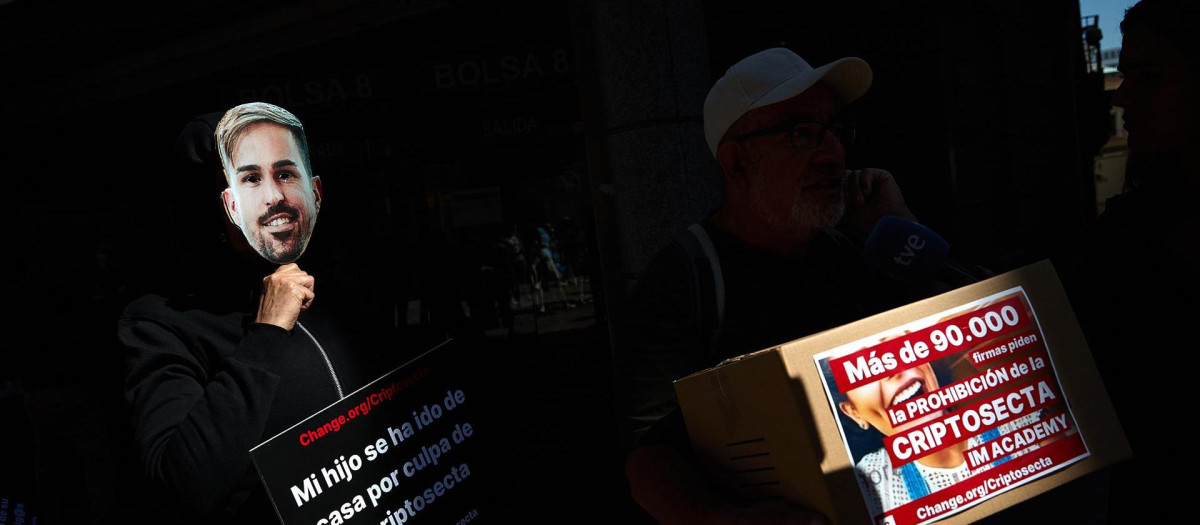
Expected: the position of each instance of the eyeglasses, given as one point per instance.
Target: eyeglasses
(807, 135)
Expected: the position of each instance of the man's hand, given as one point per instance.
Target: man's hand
(870, 194)
(285, 293)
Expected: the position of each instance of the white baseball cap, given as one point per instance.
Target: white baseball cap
(771, 76)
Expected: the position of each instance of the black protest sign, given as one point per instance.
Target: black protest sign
(401, 450)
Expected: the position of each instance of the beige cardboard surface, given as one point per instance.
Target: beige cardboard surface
(777, 396)
(730, 407)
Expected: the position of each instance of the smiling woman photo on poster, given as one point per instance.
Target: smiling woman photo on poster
(887, 486)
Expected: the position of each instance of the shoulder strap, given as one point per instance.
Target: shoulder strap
(715, 263)
(708, 283)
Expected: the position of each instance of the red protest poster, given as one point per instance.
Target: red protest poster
(947, 411)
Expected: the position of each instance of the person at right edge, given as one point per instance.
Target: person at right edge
(1136, 296)
(772, 123)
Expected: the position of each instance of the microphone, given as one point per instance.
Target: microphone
(913, 253)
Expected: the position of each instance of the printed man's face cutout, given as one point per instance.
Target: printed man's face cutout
(271, 196)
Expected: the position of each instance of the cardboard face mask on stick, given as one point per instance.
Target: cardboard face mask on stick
(272, 197)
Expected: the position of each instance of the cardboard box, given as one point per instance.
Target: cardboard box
(988, 393)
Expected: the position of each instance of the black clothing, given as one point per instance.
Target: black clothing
(770, 300)
(1135, 299)
(206, 384)
(1142, 256)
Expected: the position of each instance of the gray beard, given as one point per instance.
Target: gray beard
(804, 218)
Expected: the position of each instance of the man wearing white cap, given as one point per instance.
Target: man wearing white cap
(769, 259)
(778, 197)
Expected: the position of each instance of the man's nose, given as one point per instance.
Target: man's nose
(274, 191)
(831, 150)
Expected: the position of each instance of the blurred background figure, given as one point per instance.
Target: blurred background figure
(1142, 272)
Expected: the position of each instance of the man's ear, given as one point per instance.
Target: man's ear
(318, 191)
(229, 204)
(732, 159)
